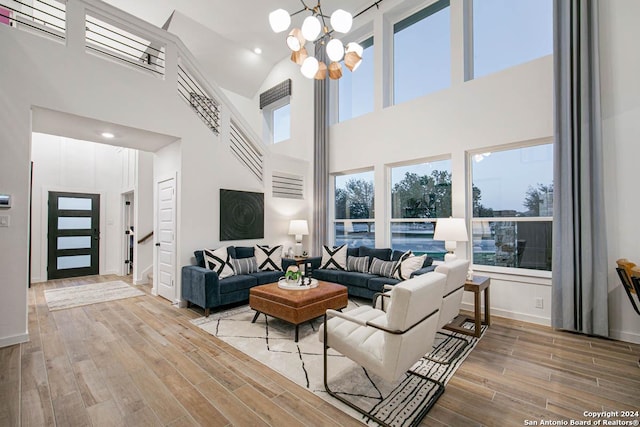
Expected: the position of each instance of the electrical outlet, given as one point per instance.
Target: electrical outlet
(539, 302)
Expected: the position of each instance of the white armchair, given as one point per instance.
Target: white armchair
(388, 343)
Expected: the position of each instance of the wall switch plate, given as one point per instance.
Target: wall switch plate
(4, 220)
(539, 302)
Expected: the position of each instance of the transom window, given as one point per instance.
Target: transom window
(512, 202)
(420, 194)
(354, 223)
(355, 89)
(422, 53)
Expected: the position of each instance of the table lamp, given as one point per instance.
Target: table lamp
(299, 228)
(451, 230)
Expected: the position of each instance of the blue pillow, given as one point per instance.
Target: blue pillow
(383, 254)
(244, 252)
(199, 258)
(353, 252)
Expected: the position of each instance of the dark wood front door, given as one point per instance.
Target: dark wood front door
(74, 235)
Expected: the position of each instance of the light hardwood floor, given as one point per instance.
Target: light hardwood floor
(138, 362)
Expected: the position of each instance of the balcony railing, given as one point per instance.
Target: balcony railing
(46, 18)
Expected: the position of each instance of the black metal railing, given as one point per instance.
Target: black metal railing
(42, 17)
(205, 106)
(244, 150)
(121, 45)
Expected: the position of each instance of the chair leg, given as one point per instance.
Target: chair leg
(416, 420)
(454, 356)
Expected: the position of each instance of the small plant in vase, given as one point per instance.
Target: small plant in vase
(293, 274)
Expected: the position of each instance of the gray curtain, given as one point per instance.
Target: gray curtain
(579, 241)
(320, 159)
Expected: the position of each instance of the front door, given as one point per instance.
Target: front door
(166, 226)
(74, 235)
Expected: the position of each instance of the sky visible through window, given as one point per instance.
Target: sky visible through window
(282, 123)
(355, 90)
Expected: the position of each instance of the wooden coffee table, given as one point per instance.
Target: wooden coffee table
(297, 307)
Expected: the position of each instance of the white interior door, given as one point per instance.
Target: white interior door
(166, 242)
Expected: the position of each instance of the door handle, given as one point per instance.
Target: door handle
(158, 244)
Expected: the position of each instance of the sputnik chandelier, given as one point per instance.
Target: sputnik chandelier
(315, 27)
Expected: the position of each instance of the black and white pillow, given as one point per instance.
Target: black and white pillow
(359, 264)
(334, 258)
(269, 259)
(245, 265)
(407, 264)
(382, 268)
(219, 261)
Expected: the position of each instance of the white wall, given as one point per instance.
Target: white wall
(143, 212)
(64, 164)
(620, 89)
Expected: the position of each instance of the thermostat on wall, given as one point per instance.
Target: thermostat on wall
(5, 201)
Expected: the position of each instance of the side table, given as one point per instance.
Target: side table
(476, 285)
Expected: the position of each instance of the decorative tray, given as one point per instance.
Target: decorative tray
(296, 286)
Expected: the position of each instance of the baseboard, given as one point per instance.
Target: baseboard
(625, 336)
(38, 280)
(144, 276)
(16, 339)
(538, 320)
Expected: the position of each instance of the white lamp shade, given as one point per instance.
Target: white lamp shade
(335, 50)
(295, 40)
(309, 67)
(341, 21)
(279, 20)
(299, 227)
(311, 28)
(451, 229)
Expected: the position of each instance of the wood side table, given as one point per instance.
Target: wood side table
(476, 285)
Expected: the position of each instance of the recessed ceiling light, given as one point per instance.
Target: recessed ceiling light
(257, 51)
(107, 135)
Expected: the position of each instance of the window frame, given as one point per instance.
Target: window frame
(333, 219)
(511, 271)
(268, 118)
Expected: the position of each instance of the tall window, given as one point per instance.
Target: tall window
(512, 201)
(508, 33)
(419, 195)
(355, 89)
(354, 214)
(422, 53)
(281, 123)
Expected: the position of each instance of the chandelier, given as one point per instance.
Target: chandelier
(314, 27)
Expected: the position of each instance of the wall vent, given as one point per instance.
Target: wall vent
(287, 186)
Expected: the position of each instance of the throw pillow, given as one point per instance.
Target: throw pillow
(382, 268)
(269, 259)
(219, 261)
(407, 264)
(334, 258)
(244, 265)
(359, 264)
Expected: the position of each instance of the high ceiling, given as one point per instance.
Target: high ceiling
(212, 29)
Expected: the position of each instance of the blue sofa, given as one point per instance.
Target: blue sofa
(203, 287)
(364, 285)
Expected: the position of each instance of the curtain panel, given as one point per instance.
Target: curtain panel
(580, 289)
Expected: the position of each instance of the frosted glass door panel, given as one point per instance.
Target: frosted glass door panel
(74, 204)
(74, 242)
(77, 261)
(74, 223)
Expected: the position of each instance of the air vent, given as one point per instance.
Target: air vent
(288, 186)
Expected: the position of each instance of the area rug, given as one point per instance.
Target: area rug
(76, 296)
(271, 342)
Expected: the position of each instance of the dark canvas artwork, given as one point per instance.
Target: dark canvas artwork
(241, 215)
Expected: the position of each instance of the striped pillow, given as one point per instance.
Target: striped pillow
(359, 264)
(382, 268)
(245, 265)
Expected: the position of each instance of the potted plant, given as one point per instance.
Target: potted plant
(293, 274)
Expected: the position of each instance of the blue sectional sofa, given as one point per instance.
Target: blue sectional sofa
(364, 285)
(203, 287)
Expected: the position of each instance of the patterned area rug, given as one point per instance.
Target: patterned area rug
(76, 296)
(270, 341)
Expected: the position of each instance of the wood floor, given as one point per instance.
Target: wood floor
(139, 362)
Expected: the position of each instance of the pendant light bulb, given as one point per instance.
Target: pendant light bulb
(279, 20)
(335, 50)
(341, 21)
(311, 28)
(309, 67)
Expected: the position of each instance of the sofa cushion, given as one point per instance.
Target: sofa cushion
(383, 254)
(219, 261)
(199, 258)
(237, 283)
(244, 265)
(265, 277)
(269, 259)
(395, 256)
(377, 283)
(358, 264)
(382, 268)
(326, 275)
(352, 278)
(334, 258)
(353, 252)
(244, 252)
